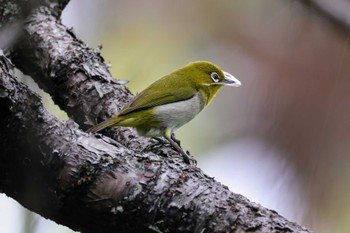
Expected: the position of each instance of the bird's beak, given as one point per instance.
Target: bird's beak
(230, 80)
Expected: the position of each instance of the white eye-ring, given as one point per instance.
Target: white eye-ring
(215, 77)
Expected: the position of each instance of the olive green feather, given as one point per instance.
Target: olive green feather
(177, 90)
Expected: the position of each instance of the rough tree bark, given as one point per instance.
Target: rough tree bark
(94, 184)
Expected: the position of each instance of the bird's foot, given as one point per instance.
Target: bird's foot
(176, 144)
(160, 140)
(188, 158)
(156, 145)
(177, 141)
(186, 155)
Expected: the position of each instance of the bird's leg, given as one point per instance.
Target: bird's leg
(168, 136)
(175, 139)
(187, 159)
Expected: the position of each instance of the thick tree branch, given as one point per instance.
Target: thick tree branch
(91, 184)
(75, 76)
(56, 170)
(12, 15)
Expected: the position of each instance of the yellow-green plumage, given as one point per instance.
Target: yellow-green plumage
(172, 101)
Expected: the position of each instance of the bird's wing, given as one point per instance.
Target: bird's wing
(158, 96)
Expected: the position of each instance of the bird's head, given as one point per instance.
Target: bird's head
(209, 78)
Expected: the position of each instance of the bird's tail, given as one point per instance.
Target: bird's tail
(104, 124)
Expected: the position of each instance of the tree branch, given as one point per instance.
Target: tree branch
(91, 184)
(74, 75)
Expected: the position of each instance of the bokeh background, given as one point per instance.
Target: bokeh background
(281, 139)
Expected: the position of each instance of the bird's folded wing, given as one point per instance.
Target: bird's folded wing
(158, 97)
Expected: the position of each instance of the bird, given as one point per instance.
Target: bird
(172, 101)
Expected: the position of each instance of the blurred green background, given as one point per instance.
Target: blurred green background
(281, 139)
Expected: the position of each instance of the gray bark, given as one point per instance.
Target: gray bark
(93, 184)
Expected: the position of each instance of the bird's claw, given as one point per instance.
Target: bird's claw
(188, 158)
(177, 141)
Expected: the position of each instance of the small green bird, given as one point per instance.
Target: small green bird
(172, 101)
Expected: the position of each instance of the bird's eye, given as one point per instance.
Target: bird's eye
(215, 77)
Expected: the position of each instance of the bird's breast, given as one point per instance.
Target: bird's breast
(176, 114)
